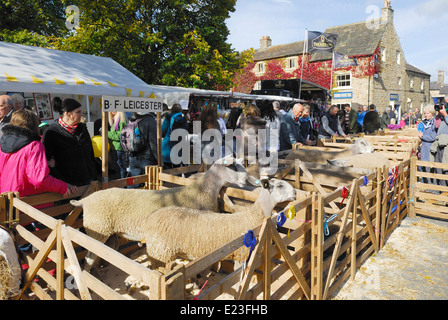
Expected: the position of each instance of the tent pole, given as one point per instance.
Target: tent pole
(105, 149)
(159, 140)
(88, 108)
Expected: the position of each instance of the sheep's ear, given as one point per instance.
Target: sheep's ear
(253, 181)
(238, 163)
(76, 203)
(338, 162)
(265, 184)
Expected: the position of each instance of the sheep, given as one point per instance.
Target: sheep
(101, 207)
(365, 161)
(190, 233)
(360, 146)
(10, 271)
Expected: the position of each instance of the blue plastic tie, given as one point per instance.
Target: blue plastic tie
(281, 219)
(250, 242)
(326, 230)
(366, 181)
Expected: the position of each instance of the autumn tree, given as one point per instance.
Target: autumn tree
(172, 42)
(32, 22)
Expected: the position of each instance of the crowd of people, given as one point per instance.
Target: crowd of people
(60, 158)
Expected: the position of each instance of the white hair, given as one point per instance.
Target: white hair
(429, 108)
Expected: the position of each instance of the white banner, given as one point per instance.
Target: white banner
(131, 104)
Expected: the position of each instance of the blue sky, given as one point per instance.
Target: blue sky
(422, 25)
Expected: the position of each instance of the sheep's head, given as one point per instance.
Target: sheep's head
(222, 168)
(274, 191)
(362, 146)
(280, 190)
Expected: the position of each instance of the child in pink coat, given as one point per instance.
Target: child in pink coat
(23, 164)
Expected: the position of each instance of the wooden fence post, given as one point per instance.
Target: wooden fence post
(412, 187)
(173, 284)
(59, 263)
(153, 177)
(354, 233)
(378, 184)
(317, 248)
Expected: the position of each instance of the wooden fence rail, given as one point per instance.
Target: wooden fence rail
(332, 231)
(428, 189)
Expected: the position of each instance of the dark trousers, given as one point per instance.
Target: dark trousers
(137, 167)
(123, 162)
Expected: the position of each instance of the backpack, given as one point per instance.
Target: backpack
(130, 138)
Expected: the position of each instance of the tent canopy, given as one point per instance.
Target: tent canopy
(34, 69)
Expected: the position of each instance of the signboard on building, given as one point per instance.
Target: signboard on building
(394, 97)
(131, 104)
(343, 95)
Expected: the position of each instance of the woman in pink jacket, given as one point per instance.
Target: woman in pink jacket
(23, 165)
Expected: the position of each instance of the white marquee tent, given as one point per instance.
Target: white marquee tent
(35, 69)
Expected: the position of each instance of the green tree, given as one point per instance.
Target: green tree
(32, 22)
(173, 42)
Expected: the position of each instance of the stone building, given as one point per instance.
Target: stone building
(383, 77)
(439, 89)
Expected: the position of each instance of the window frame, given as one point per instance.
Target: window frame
(343, 74)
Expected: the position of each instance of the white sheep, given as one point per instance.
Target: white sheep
(360, 146)
(365, 161)
(173, 232)
(10, 271)
(101, 208)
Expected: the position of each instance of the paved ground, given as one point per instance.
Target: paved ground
(413, 265)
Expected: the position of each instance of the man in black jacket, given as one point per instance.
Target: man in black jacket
(147, 156)
(331, 126)
(371, 120)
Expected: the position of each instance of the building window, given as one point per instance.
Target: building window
(257, 85)
(422, 86)
(291, 63)
(383, 53)
(260, 67)
(343, 80)
(398, 57)
(411, 82)
(399, 81)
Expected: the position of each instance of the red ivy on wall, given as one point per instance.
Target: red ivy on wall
(318, 72)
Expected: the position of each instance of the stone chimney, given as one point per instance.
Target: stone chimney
(441, 79)
(387, 13)
(265, 42)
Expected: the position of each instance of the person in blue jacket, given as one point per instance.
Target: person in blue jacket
(427, 132)
(360, 118)
(173, 120)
